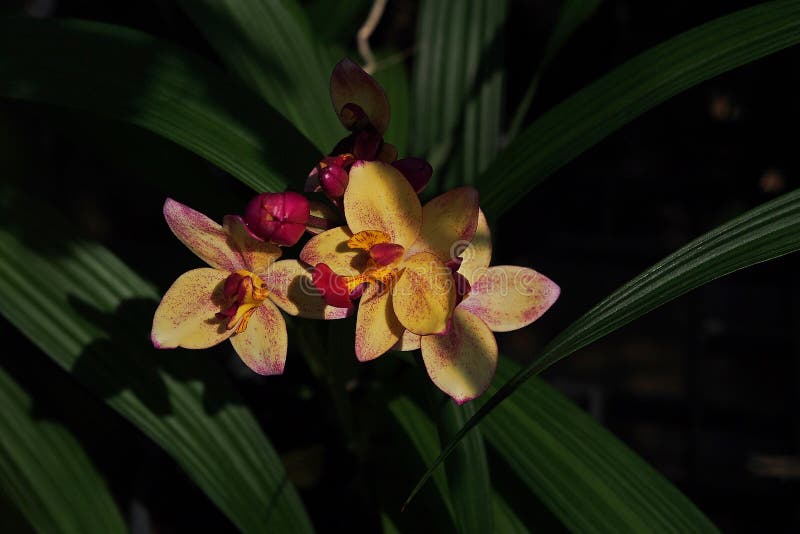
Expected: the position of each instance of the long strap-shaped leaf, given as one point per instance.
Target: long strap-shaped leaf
(127, 75)
(458, 85)
(91, 314)
(422, 433)
(766, 232)
(573, 13)
(268, 45)
(46, 474)
(645, 81)
(586, 476)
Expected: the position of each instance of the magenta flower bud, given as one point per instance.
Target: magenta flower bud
(334, 180)
(278, 217)
(417, 171)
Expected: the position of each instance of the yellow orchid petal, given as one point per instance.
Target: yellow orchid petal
(461, 362)
(202, 236)
(380, 198)
(331, 248)
(448, 223)
(290, 287)
(186, 316)
(424, 295)
(508, 297)
(262, 345)
(377, 327)
(408, 341)
(476, 257)
(256, 254)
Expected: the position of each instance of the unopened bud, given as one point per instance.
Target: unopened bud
(278, 217)
(333, 180)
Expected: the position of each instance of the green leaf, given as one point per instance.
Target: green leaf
(337, 22)
(91, 314)
(422, 433)
(270, 46)
(458, 85)
(586, 476)
(505, 520)
(573, 13)
(130, 76)
(766, 232)
(467, 471)
(46, 474)
(640, 84)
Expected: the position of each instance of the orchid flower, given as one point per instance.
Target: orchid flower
(362, 107)
(238, 296)
(462, 361)
(394, 251)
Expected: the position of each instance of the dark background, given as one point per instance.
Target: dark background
(705, 388)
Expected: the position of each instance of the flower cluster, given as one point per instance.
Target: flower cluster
(418, 277)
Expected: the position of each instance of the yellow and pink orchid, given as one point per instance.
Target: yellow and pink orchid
(420, 274)
(462, 361)
(238, 296)
(397, 252)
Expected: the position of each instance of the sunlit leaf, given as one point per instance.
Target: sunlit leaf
(271, 47)
(458, 86)
(46, 474)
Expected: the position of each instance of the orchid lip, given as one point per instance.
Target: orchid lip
(243, 292)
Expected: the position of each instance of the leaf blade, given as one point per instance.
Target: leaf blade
(46, 473)
(587, 477)
(126, 75)
(92, 317)
(272, 49)
(638, 85)
(766, 232)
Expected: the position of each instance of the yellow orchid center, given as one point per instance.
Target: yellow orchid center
(382, 265)
(243, 292)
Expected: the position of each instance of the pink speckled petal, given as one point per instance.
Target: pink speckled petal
(461, 362)
(380, 198)
(262, 346)
(351, 85)
(257, 255)
(290, 287)
(449, 222)
(186, 316)
(476, 257)
(202, 236)
(424, 295)
(331, 248)
(377, 327)
(408, 341)
(508, 297)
